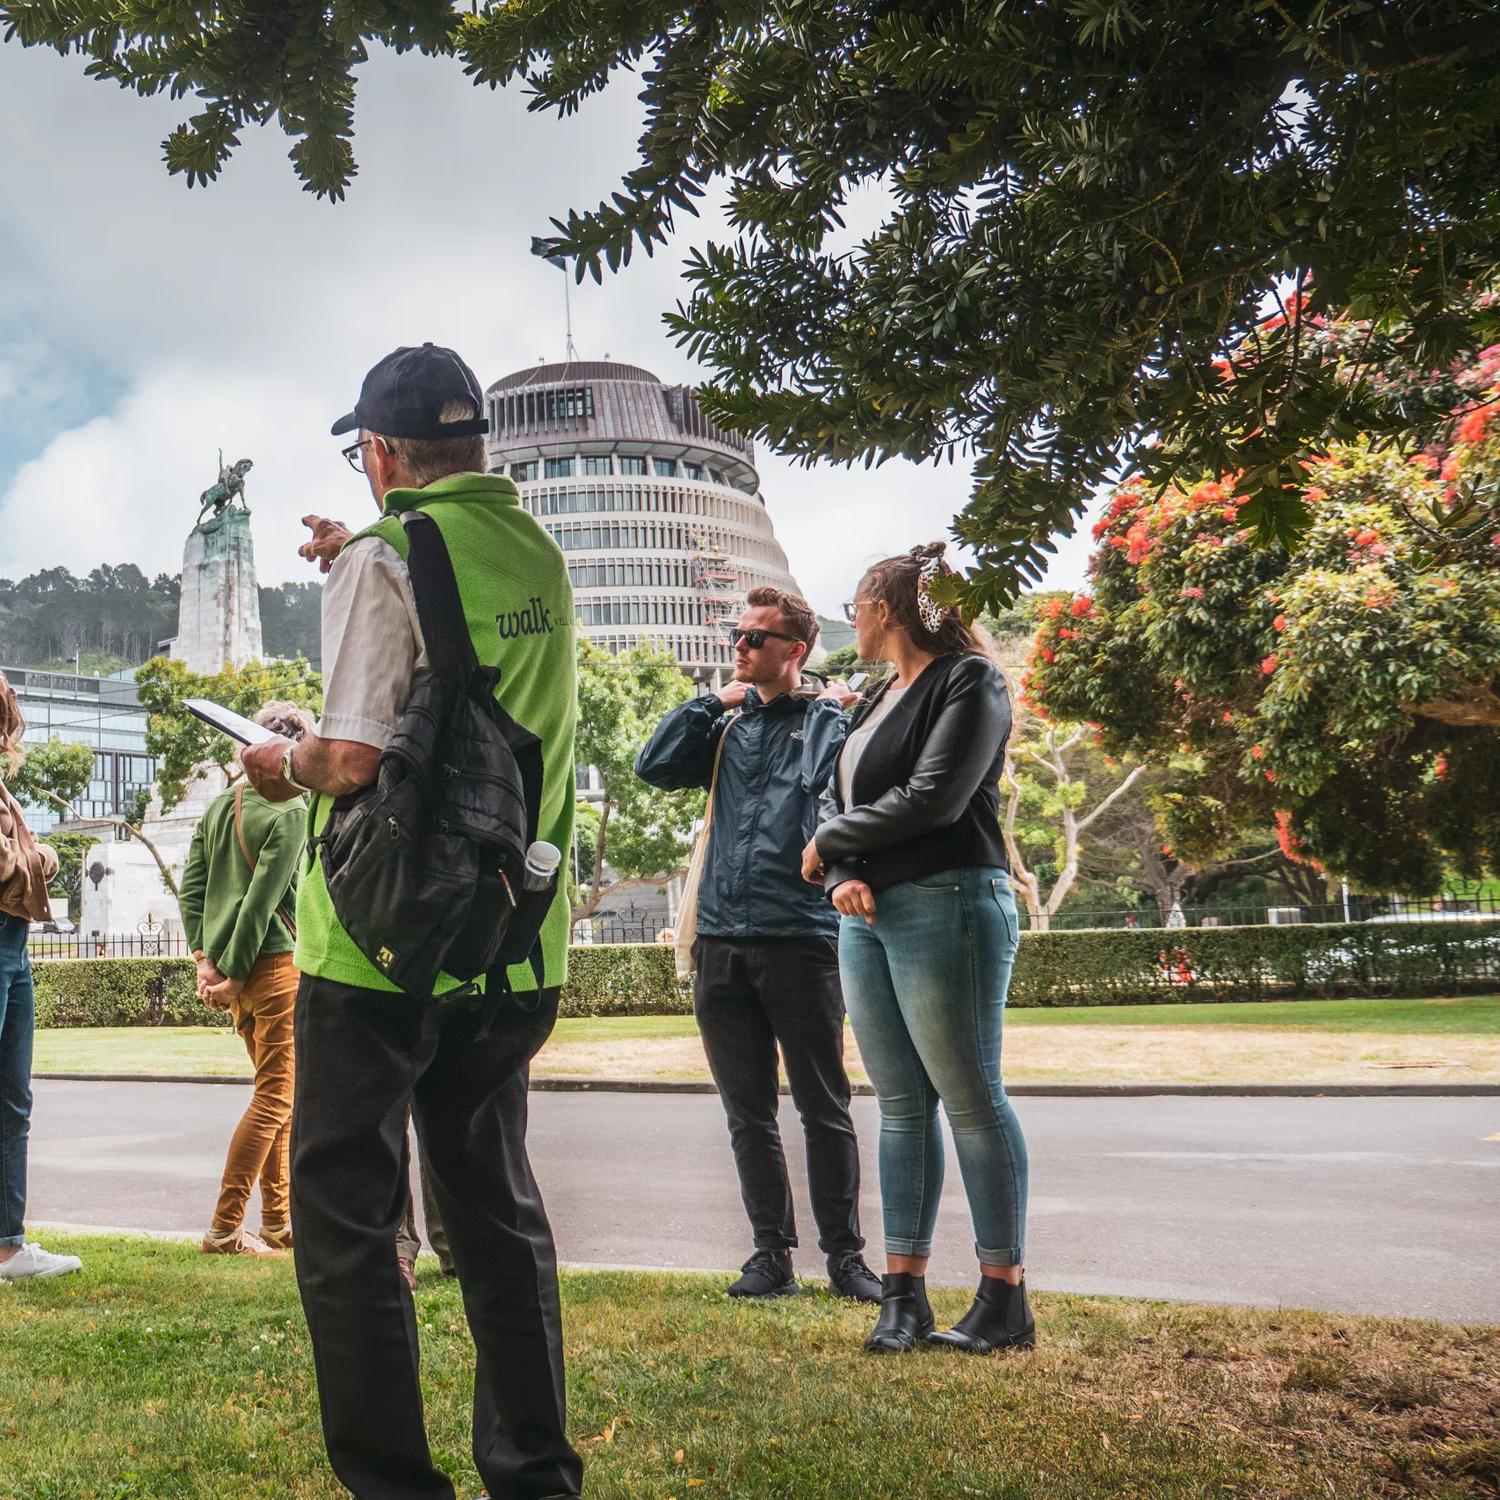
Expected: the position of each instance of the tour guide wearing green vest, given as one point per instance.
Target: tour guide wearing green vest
(369, 1054)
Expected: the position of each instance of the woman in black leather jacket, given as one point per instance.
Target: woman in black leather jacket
(909, 848)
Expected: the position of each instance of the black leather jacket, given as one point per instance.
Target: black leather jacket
(926, 789)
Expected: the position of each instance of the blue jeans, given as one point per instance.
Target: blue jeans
(17, 1025)
(925, 986)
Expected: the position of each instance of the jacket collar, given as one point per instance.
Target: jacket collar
(486, 489)
(782, 703)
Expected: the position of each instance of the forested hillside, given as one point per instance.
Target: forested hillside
(115, 617)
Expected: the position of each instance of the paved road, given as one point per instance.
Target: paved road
(1353, 1205)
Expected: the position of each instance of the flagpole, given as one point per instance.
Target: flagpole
(568, 314)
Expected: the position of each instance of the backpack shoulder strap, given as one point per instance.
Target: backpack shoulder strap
(445, 629)
(239, 824)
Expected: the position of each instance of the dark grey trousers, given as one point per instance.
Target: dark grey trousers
(370, 1059)
(753, 996)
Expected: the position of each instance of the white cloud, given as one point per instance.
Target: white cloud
(244, 315)
(125, 487)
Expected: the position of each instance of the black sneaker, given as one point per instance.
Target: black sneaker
(768, 1273)
(849, 1276)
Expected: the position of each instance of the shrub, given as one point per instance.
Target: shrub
(1256, 963)
(120, 992)
(624, 979)
(1203, 964)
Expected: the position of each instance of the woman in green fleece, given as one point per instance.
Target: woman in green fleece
(238, 893)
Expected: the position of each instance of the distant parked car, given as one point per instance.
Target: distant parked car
(57, 925)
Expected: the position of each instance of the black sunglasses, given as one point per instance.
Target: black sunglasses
(755, 639)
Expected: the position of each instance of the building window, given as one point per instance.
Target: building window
(665, 467)
(629, 465)
(523, 473)
(693, 471)
(558, 468)
(597, 463)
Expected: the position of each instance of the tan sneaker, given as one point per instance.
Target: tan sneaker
(277, 1236)
(237, 1242)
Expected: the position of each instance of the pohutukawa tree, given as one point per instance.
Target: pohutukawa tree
(1081, 208)
(1349, 691)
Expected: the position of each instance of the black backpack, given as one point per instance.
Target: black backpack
(425, 867)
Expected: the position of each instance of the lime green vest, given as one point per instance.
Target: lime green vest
(515, 591)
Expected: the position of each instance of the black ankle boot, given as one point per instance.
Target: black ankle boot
(905, 1318)
(999, 1319)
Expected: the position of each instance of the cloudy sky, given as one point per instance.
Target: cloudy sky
(144, 326)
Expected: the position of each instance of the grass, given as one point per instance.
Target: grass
(1470, 1015)
(1306, 1041)
(158, 1372)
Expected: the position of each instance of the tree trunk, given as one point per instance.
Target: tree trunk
(131, 832)
(596, 885)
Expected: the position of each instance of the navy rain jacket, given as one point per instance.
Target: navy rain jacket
(776, 762)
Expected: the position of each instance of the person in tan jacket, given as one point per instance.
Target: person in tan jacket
(237, 895)
(26, 869)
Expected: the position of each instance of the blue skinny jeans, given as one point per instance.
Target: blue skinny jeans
(17, 1025)
(925, 986)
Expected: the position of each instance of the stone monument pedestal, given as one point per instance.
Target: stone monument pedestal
(218, 622)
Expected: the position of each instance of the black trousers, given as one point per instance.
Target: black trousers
(751, 996)
(366, 1059)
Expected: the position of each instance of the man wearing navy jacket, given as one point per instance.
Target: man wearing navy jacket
(767, 947)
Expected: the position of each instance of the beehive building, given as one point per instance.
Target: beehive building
(657, 509)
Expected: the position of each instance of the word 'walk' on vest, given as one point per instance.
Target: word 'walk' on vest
(535, 619)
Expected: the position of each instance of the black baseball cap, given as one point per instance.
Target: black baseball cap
(404, 394)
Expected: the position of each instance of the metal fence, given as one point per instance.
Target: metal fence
(1351, 908)
(53, 945)
(621, 929)
(645, 927)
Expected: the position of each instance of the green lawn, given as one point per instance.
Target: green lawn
(162, 1373)
(1469, 1015)
(209, 1051)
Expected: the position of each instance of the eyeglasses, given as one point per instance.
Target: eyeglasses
(851, 609)
(755, 639)
(354, 456)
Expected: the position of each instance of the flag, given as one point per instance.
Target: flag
(543, 248)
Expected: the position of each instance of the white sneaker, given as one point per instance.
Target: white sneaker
(32, 1260)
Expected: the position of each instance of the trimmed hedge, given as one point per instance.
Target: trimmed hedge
(120, 992)
(1089, 967)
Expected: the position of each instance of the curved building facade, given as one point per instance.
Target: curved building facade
(656, 508)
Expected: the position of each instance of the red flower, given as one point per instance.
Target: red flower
(1066, 635)
(1314, 493)
(1269, 664)
(1081, 606)
(1193, 592)
(1471, 429)
(1441, 767)
(1257, 752)
(1366, 537)
(1046, 655)
(1279, 623)
(1286, 839)
(1228, 717)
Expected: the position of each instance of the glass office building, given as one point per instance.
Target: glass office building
(100, 712)
(657, 508)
